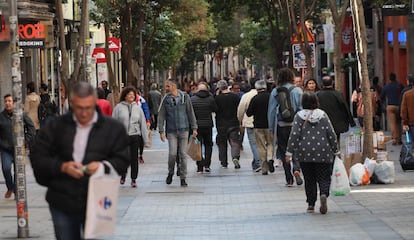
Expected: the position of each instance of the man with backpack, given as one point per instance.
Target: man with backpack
(285, 100)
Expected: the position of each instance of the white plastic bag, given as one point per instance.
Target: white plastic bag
(370, 164)
(339, 179)
(359, 175)
(102, 203)
(385, 172)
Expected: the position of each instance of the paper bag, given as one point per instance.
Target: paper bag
(194, 149)
(102, 203)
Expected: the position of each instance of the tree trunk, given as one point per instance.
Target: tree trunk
(338, 19)
(64, 68)
(80, 49)
(337, 56)
(361, 50)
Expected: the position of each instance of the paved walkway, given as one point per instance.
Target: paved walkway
(235, 204)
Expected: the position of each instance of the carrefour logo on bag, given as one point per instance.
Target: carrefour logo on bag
(105, 203)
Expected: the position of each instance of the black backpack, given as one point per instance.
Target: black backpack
(286, 110)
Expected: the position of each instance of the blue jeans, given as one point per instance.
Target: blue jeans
(67, 226)
(177, 143)
(253, 147)
(7, 160)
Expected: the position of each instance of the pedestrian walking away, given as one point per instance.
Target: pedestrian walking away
(247, 123)
(204, 105)
(258, 109)
(7, 141)
(133, 119)
(392, 92)
(312, 143)
(280, 126)
(154, 101)
(227, 124)
(175, 119)
(31, 105)
(70, 149)
(334, 105)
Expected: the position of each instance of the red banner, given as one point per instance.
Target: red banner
(347, 36)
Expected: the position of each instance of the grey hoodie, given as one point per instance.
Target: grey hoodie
(133, 118)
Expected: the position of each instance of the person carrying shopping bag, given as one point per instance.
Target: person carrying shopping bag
(312, 143)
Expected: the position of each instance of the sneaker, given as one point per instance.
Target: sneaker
(324, 206)
(141, 160)
(169, 179)
(8, 194)
(299, 180)
(264, 173)
(311, 209)
(133, 184)
(258, 169)
(183, 183)
(122, 181)
(224, 166)
(199, 170)
(207, 170)
(289, 183)
(271, 165)
(236, 163)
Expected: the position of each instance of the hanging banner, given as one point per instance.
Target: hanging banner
(347, 36)
(328, 33)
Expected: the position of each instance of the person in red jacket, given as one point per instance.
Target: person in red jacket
(103, 104)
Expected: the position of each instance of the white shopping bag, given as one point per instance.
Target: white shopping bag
(339, 179)
(102, 203)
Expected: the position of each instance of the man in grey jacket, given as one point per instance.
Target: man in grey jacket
(175, 118)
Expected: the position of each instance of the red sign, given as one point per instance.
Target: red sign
(99, 55)
(299, 38)
(31, 31)
(347, 36)
(114, 44)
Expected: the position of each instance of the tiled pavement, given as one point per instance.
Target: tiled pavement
(235, 204)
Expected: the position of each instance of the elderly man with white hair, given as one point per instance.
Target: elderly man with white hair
(204, 105)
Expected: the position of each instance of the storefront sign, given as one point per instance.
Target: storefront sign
(31, 35)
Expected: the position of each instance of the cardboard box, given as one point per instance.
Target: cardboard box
(382, 156)
(351, 160)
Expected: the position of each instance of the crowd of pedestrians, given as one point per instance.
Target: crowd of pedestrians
(290, 120)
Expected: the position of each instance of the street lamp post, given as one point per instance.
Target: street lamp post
(18, 128)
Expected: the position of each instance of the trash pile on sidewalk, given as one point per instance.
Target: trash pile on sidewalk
(363, 172)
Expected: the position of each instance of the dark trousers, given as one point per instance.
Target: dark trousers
(231, 134)
(135, 141)
(282, 140)
(67, 226)
(205, 136)
(316, 174)
(154, 121)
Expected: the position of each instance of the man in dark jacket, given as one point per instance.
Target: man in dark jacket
(69, 150)
(204, 105)
(7, 142)
(258, 109)
(332, 102)
(228, 127)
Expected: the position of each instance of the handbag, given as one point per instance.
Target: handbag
(339, 179)
(194, 149)
(102, 202)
